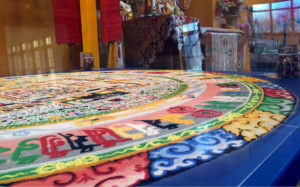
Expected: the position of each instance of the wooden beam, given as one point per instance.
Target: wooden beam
(90, 29)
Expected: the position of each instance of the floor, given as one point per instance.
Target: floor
(149, 128)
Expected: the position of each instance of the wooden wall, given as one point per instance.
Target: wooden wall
(27, 39)
(3, 52)
(204, 10)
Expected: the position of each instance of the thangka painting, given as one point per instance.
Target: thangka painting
(110, 128)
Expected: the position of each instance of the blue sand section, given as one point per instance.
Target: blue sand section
(234, 168)
(190, 152)
(273, 159)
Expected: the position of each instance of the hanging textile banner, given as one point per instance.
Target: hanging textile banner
(110, 20)
(67, 21)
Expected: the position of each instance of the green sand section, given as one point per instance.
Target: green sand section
(277, 105)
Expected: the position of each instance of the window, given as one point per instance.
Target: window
(277, 17)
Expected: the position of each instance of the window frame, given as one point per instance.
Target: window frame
(292, 9)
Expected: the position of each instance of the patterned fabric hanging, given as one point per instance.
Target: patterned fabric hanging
(67, 21)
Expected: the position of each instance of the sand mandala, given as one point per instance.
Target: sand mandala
(126, 128)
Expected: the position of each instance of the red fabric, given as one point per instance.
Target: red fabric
(110, 20)
(67, 21)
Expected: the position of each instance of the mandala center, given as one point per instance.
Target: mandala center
(35, 101)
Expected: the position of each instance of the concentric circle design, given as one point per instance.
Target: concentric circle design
(87, 127)
(48, 99)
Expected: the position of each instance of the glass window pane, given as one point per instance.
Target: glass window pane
(281, 20)
(297, 19)
(261, 22)
(259, 7)
(190, 27)
(296, 3)
(283, 4)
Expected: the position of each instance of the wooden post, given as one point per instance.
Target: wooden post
(90, 29)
